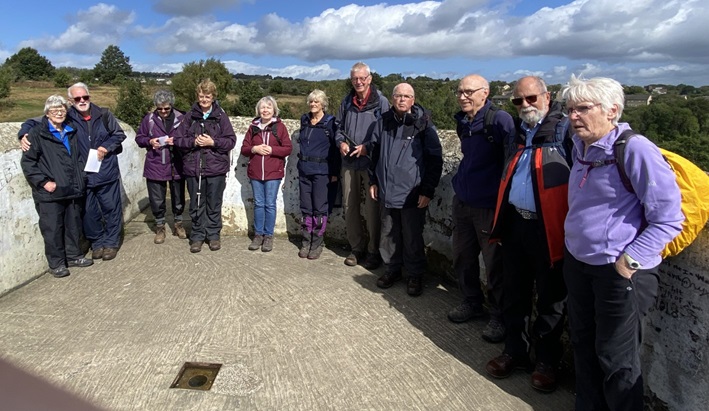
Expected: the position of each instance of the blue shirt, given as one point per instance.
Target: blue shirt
(61, 135)
(521, 190)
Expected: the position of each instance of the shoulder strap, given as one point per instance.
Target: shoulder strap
(487, 123)
(104, 117)
(275, 133)
(619, 153)
(151, 124)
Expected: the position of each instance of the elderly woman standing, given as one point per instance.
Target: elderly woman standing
(614, 237)
(206, 136)
(163, 164)
(318, 164)
(54, 167)
(266, 144)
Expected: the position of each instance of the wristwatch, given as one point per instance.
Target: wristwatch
(631, 262)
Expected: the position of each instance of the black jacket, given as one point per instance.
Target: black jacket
(49, 160)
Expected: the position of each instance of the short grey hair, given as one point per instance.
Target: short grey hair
(163, 97)
(320, 96)
(270, 100)
(77, 85)
(360, 66)
(55, 101)
(598, 90)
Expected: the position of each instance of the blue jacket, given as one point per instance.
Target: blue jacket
(407, 159)
(318, 151)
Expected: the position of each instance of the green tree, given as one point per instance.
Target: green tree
(113, 65)
(185, 82)
(132, 103)
(249, 93)
(5, 80)
(62, 78)
(28, 64)
(276, 87)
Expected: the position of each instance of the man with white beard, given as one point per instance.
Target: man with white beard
(529, 223)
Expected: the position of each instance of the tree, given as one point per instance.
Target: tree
(185, 82)
(249, 93)
(132, 103)
(5, 80)
(113, 65)
(62, 78)
(28, 64)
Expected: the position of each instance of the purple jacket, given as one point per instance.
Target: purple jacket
(605, 220)
(164, 163)
(211, 161)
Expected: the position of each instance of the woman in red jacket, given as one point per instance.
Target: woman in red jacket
(267, 145)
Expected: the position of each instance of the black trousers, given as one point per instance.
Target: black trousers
(207, 215)
(401, 242)
(471, 236)
(157, 193)
(526, 269)
(605, 319)
(60, 225)
(313, 194)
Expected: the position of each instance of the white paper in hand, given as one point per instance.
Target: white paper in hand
(93, 164)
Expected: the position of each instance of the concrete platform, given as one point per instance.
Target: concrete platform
(291, 334)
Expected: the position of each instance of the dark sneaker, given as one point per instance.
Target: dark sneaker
(465, 312)
(215, 245)
(196, 246)
(80, 262)
(388, 279)
(256, 242)
(267, 243)
(109, 253)
(414, 287)
(97, 254)
(59, 272)
(372, 262)
(494, 332)
(353, 258)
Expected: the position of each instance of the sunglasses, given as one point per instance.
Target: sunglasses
(517, 101)
(163, 108)
(80, 98)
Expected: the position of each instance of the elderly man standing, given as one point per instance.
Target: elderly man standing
(359, 111)
(98, 129)
(407, 163)
(476, 184)
(529, 222)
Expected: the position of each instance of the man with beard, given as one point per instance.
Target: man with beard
(529, 223)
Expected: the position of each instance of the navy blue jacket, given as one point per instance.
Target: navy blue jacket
(318, 150)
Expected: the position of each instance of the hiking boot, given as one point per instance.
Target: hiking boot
(388, 279)
(215, 245)
(159, 234)
(465, 312)
(256, 242)
(180, 230)
(97, 254)
(353, 258)
(372, 262)
(80, 262)
(196, 246)
(59, 272)
(414, 286)
(109, 253)
(314, 253)
(494, 331)
(304, 251)
(267, 243)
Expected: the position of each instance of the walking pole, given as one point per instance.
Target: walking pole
(201, 168)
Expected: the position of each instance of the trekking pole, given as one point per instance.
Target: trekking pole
(201, 168)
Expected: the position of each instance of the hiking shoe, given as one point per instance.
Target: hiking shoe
(267, 243)
(372, 262)
(215, 245)
(256, 242)
(304, 251)
(414, 286)
(465, 312)
(179, 230)
(109, 253)
(196, 246)
(59, 272)
(159, 234)
(388, 279)
(352, 259)
(97, 254)
(80, 262)
(314, 253)
(494, 331)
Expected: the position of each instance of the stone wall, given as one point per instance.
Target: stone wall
(677, 335)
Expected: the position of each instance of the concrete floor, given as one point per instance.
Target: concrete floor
(291, 334)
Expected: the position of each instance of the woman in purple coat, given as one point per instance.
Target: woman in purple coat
(163, 163)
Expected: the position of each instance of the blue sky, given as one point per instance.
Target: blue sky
(637, 42)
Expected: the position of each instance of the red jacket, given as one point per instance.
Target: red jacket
(270, 167)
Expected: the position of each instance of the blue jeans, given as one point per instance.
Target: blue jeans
(265, 195)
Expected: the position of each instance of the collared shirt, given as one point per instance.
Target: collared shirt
(521, 189)
(61, 135)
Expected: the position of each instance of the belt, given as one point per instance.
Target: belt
(526, 214)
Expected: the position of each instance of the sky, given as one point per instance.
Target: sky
(637, 42)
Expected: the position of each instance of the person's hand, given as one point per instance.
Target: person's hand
(423, 201)
(344, 148)
(170, 141)
(155, 143)
(101, 152)
(333, 179)
(359, 150)
(25, 143)
(621, 266)
(50, 186)
(262, 149)
(374, 192)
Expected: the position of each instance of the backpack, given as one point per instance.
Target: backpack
(693, 185)
(256, 129)
(487, 122)
(104, 118)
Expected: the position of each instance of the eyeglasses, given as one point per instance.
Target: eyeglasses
(80, 98)
(581, 110)
(57, 112)
(360, 79)
(517, 101)
(402, 96)
(163, 108)
(467, 93)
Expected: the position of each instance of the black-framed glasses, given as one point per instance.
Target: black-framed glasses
(581, 110)
(163, 108)
(467, 93)
(80, 98)
(517, 101)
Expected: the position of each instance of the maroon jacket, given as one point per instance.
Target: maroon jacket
(270, 167)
